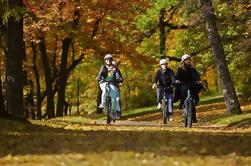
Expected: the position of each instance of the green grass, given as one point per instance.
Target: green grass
(152, 109)
(139, 111)
(234, 120)
(210, 99)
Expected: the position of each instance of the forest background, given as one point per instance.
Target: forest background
(59, 45)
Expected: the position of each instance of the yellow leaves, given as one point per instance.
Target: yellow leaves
(90, 20)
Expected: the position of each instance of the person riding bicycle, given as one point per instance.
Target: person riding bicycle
(110, 73)
(187, 75)
(164, 79)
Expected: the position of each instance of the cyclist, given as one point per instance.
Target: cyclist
(164, 80)
(187, 75)
(110, 73)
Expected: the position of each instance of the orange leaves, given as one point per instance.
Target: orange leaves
(104, 25)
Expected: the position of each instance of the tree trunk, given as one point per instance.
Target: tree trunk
(162, 28)
(37, 78)
(63, 76)
(128, 94)
(78, 103)
(2, 109)
(230, 97)
(14, 62)
(48, 80)
(29, 102)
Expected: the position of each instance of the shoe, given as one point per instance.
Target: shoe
(171, 118)
(101, 106)
(159, 106)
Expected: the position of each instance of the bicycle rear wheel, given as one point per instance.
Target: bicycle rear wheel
(108, 110)
(164, 111)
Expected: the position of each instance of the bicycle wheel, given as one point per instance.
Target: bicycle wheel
(114, 115)
(189, 113)
(185, 108)
(185, 117)
(108, 110)
(164, 110)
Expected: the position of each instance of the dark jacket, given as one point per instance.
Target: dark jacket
(188, 75)
(164, 78)
(103, 72)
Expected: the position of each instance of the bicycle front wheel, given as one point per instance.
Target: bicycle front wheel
(164, 111)
(189, 113)
(185, 116)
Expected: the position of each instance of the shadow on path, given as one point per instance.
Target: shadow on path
(40, 140)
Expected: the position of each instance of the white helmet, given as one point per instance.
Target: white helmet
(108, 56)
(163, 61)
(184, 57)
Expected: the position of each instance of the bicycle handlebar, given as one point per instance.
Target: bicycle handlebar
(189, 84)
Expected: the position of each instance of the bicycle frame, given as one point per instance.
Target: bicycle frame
(110, 112)
(164, 107)
(188, 107)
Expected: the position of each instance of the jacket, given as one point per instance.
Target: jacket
(164, 78)
(116, 77)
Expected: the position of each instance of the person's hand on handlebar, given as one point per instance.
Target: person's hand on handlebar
(199, 82)
(177, 82)
(154, 86)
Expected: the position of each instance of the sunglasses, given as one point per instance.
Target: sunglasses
(108, 59)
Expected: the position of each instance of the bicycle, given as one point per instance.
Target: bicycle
(165, 106)
(110, 112)
(189, 107)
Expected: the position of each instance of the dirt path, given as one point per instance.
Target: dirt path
(155, 119)
(136, 141)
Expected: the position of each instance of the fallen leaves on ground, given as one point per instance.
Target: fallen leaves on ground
(139, 141)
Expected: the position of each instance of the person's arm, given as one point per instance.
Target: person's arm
(178, 76)
(120, 79)
(196, 75)
(172, 77)
(155, 79)
(99, 77)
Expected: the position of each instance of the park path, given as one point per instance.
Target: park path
(136, 141)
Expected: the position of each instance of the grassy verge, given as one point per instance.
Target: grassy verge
(211, 99)
(242, 120)
(152, 109)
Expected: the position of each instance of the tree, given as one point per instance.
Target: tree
(2, 109)
(228, 90)
(37, 81)
(50, 108)
(63, 76)
(14, 61)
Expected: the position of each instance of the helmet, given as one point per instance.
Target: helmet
(184, 57)
(163, 61)
(108, 56)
